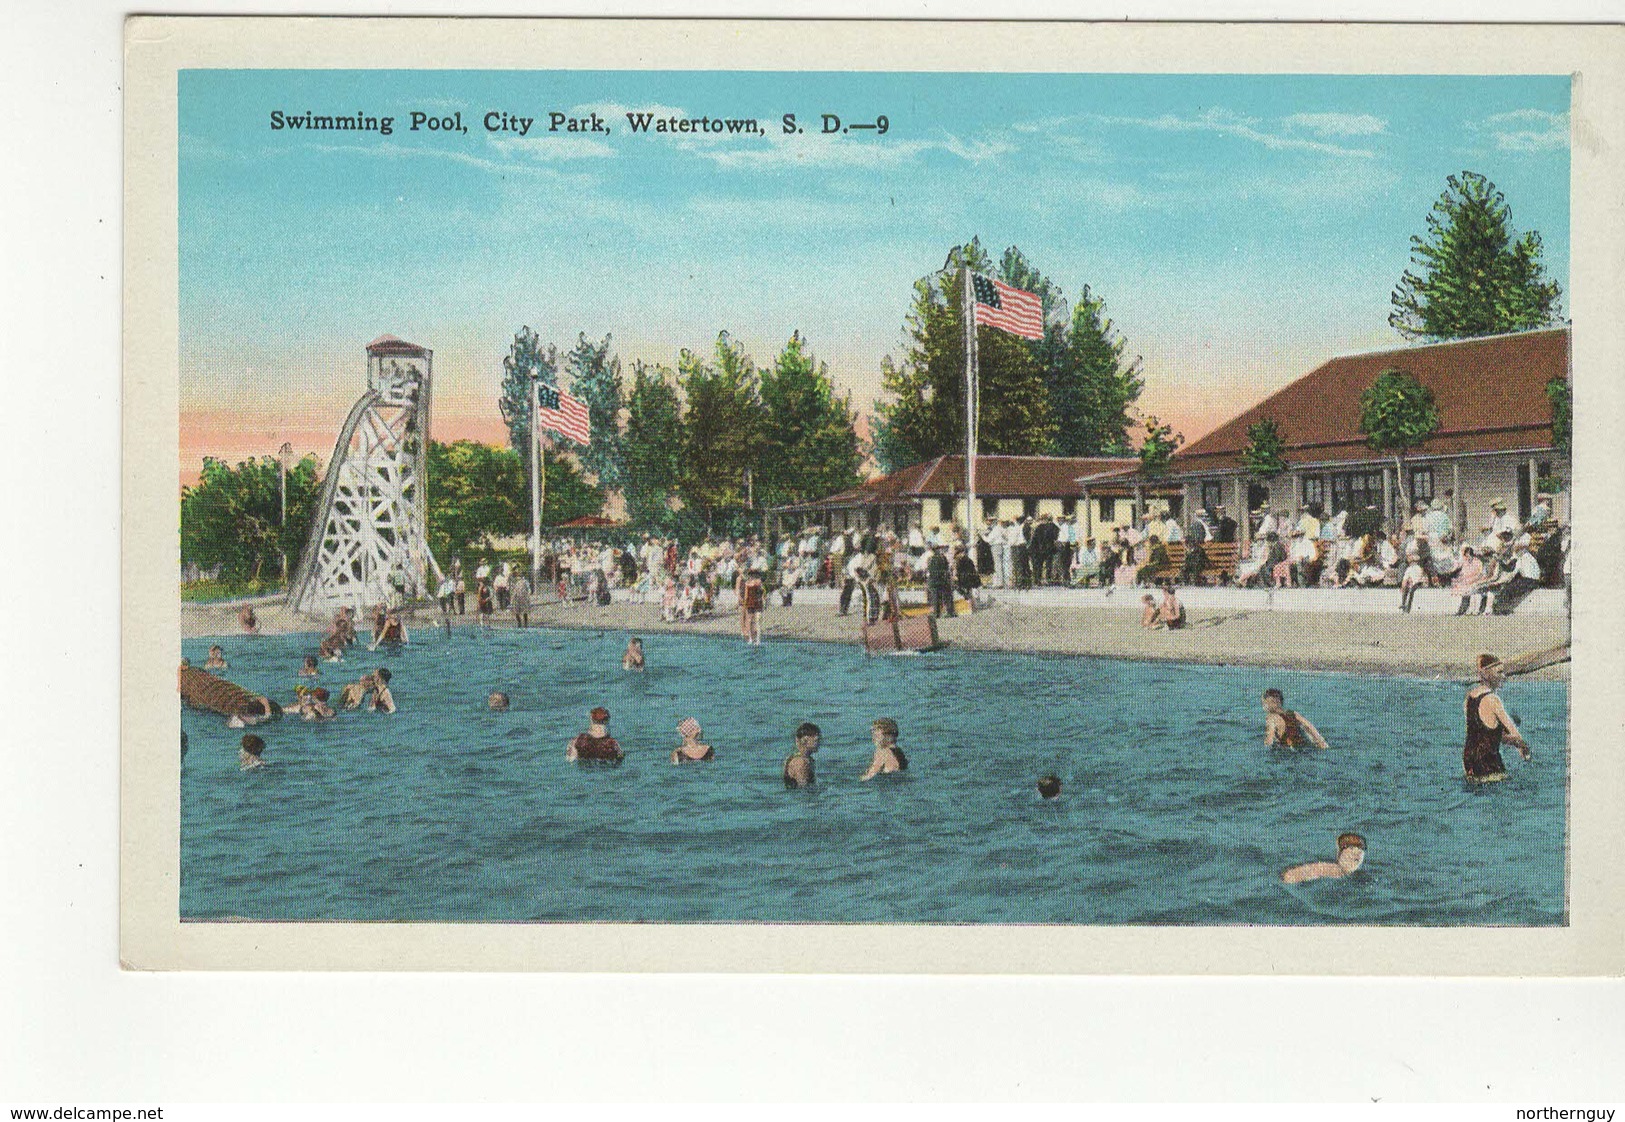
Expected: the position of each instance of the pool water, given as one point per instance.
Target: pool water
(1172, 811)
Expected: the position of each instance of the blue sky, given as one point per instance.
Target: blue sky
(1240, 228)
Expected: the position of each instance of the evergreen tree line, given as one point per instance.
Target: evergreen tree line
(702, 446)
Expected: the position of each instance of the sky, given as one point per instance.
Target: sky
(1241, 228)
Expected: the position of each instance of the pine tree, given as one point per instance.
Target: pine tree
(1093, 391)
(722, 428)
(595, 378)
(653, 446)
(1397, 413)
(810, 431)
(1158, 448)
(925, 415)
(1473, 275)
(1264, 457)
(526, 358)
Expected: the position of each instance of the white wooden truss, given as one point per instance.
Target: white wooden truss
(369, 532)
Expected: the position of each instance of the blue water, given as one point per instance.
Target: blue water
(1172, 812)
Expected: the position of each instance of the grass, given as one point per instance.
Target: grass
(203, 591)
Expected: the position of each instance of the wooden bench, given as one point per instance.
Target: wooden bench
(1220, 567)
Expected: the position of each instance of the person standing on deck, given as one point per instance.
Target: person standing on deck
(1285, 729)
(939, 583)
(1488, 724)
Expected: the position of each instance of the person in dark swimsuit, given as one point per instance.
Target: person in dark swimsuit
(798, 768)
(1285, 729)
(888, 756)
(692, 750)
(1488, 724)
(595, 745)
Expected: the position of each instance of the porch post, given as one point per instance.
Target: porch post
(1244, 524)
(1387, 499)
(1459, 515)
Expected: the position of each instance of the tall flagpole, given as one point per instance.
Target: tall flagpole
(971, 406)
(536, 463)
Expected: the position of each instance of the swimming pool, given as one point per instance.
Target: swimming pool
(1172, 812)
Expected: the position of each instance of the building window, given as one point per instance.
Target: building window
(1069, 508)
(990, 509)
(1422, 484)
(1029, 507)
(1212, 494)
(945, 510)
(1108, 511)
(1356, 490)
(900, 519)
(1314, 491)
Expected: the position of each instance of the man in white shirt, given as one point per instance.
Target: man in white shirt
(1172, 531)
(1503, 522)
(1002, 553)
(1270, 524)
(1086, 564)
(1525, 579)
(858, 566)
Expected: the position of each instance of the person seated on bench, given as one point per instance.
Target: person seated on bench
(1190, 571)
(1155, 562)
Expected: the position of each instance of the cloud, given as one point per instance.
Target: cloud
(1526, 130)
(814, 150)
(549, 147)
(1337, 124)
(1283, 135)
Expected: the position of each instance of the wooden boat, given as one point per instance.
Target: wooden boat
(906, 633)
(201, 690)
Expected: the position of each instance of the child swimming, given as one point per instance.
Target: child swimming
(1350, 856)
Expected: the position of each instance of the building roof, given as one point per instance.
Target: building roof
(996, 477)
(1490, 392)
(391, 345)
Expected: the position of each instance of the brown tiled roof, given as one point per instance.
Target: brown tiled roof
(390, 345)
(1491, 395)
(996, 477)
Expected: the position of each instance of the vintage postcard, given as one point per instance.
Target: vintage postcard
(870, 497)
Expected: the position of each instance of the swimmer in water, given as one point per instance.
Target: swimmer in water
(351, 696)
(692, 750)
(253, 712)
(798, 769)
(311, 668)
(595, 744)
(1350, 856)
(382, 700)
(312, 703)
(249, 623)
(633, 658)
(1488, 725)
(250, 755)
(888, 756)
(1285, 729)
(497, 702)
(1049, 787)
(217, 659)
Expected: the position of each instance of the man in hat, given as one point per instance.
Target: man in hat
(1503, 523)
(1524, 579)
(1225, 529)
(595, 744)
(1488, 724)
(1541, 514)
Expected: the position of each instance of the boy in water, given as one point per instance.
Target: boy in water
(217, 659)
(311, 668)
(1049, 787)
(1350, 856)
(888, 756)
(1285, 729)
(633, 658)
(248, 757)
(497, 702)
(798, 769)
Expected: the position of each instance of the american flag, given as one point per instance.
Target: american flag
(1007, 307)
(562, 413)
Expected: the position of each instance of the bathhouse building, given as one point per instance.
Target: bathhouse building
(925, 495)
(1494, 439)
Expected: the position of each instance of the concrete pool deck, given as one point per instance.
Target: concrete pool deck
(1351, 631)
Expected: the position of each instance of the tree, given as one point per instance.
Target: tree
(811, 432)
(1397, 413)
(1472, 274)
(925, 413)
(722, 428)
(482, 491)
(653, 446)
(595, 378)
(1560, 396)
(1158, 448)
(233, 518)
(1092, 388)
(526, 359)
(1264, 457)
